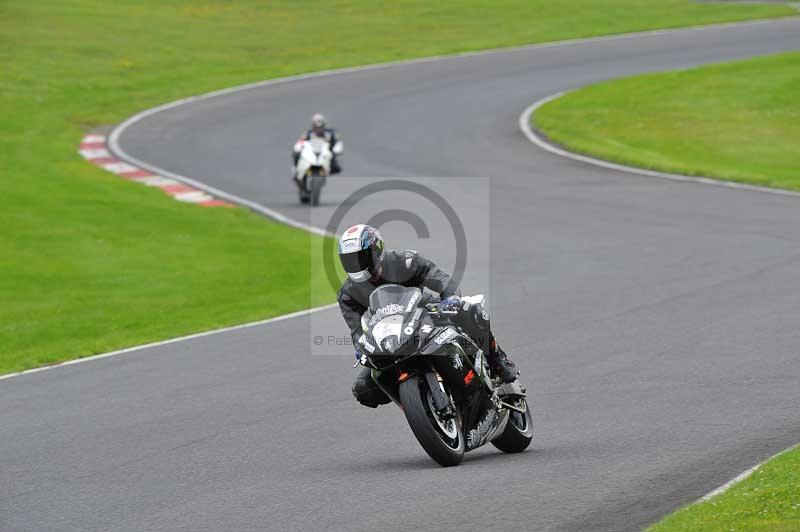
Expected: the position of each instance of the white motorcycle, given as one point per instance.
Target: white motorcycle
(313, 167)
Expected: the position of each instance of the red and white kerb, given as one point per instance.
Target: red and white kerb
(93, 148)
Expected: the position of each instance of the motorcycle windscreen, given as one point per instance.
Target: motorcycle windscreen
(394, 296)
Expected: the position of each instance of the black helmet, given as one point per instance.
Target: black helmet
(361, 252)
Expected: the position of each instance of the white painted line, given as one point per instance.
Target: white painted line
(119, 168)
(221, 194)
(740, 477)
(174, 340)
(114, 145)
(195, 196)
(728, 485)
(539, 140)
(545, 144)
(95, 153)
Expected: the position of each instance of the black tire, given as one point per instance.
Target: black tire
(414, 398)
(304, 197)
(518, 433)
(316, 189)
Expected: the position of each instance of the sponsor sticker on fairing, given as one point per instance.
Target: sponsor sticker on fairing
(475, 436)
(409, 330)
(445, 336)
(368, 346)
(382, 312)
(415, 317)
(413, 301)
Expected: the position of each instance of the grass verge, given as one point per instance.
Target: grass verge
(769, 499)
(737, 121)
(90, 263)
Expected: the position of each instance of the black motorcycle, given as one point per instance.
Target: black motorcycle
(440, 378)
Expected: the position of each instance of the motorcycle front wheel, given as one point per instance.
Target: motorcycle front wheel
(316, 188)
(305, 197)
(441, 437)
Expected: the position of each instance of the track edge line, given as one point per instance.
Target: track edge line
(544, 143)
(168, 341)
(116, 149)
(741, 476)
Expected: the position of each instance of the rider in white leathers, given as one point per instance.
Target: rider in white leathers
(319, 129)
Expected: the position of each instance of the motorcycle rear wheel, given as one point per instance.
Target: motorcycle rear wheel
(518, 433)
(441, 438)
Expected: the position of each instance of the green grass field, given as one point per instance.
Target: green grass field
(737, 121)
(768, 500)
(90, 263)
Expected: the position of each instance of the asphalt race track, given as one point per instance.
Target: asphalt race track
(656, 322)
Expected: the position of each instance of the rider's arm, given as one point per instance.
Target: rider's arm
(298, 146)
(334, 140)
(351, 312)
(428, 275)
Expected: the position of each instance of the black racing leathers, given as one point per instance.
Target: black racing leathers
(406, 268)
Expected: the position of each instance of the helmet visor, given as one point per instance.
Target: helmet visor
(357, 262)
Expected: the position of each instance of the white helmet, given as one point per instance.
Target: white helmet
(317, 120)
(361, 252)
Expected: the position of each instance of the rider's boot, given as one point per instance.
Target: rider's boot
(367, 392)
(501, 365)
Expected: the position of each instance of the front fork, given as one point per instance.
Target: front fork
(441, 402)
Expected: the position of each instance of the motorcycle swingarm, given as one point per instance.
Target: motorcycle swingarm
(514, 389)
(512, 407)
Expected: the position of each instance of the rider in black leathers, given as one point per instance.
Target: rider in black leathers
(369, 265)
